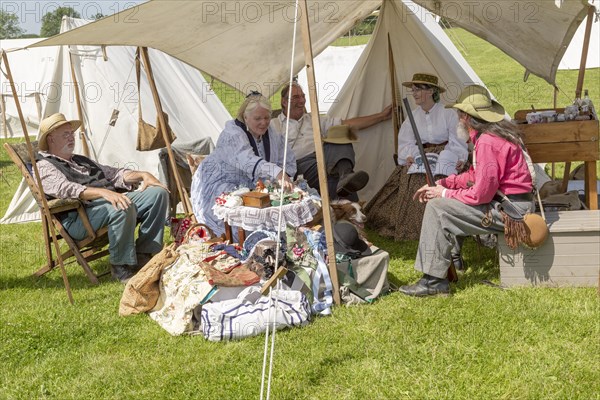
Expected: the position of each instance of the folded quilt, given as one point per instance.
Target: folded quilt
(249, 314)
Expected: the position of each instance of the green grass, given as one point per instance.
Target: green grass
(481, 343)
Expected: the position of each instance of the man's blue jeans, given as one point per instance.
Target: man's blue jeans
(149, 208)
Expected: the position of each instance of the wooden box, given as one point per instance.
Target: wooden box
(562, 141)
(256, 199)
(565, 142)
(569, 257)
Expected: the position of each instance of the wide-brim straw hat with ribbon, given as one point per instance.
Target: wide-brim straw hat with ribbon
(50, 124)
(341, 134)
(422, 78)
(476, 101)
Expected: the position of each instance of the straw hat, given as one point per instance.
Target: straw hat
(50, 124)
(340, 134)
(476, 101)
(422, 78)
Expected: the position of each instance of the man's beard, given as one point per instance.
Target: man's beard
(462, 132)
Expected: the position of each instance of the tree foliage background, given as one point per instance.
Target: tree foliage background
(9, 26)
(51, 21)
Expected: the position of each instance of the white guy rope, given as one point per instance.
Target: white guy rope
(272, 319)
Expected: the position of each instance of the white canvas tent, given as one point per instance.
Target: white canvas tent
(238, 47)
(572, 57)
(195, 113)
(332, 68)
(32, 69)
(418, 44)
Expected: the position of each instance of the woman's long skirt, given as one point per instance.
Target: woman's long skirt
(392, 212)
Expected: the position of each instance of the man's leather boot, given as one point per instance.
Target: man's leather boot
(427, 286)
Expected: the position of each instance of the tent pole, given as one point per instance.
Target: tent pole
(314, 106)
(584, 51)
(580, 77)
(82, 135)
(554, 104)
(187, 206)
(46, 209)
(4, 122)
(395, 116)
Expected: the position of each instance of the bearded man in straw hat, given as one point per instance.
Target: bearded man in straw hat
(107, 195)
(343, 181)
(468, 204)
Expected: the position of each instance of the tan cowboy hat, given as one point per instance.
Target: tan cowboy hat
(340, 134)
(422, 78)
(476, 101)
(50, 124)
(537, 230)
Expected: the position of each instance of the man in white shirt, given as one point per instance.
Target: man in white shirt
(343, 181)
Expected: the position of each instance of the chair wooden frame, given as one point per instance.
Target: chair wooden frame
(92, 247)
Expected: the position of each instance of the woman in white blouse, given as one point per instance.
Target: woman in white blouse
(437, 130)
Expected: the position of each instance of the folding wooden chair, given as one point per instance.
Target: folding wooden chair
(90, 248)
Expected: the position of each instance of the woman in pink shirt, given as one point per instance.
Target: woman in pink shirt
(465, 204)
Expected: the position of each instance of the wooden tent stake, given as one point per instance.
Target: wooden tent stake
(37, 177)
(314, 106)
(187, 206)
(82, 135)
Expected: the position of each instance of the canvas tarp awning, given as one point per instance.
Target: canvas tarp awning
(246, 44)
(534, 33)
(227, 39)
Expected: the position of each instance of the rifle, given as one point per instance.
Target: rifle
(428, 174)
(452, 275)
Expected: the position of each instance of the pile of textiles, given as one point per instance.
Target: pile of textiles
(214, 289)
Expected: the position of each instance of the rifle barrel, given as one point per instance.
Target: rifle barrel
(428, 174)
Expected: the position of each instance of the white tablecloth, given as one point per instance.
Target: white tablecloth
(252, 219)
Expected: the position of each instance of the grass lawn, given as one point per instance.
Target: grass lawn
(480, 343)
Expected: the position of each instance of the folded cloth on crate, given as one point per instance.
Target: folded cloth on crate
(569, 201)
(249, 314)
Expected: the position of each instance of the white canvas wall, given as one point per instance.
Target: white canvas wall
(30, 69)
(572, 57)
(332, 68)
(195, 112)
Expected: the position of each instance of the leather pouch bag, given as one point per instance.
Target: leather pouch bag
(150, 137)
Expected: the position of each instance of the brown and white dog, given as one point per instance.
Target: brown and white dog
(346, 210)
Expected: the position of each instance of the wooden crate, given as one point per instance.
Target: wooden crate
(565, 142)
(569, 257)
(256, 199)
